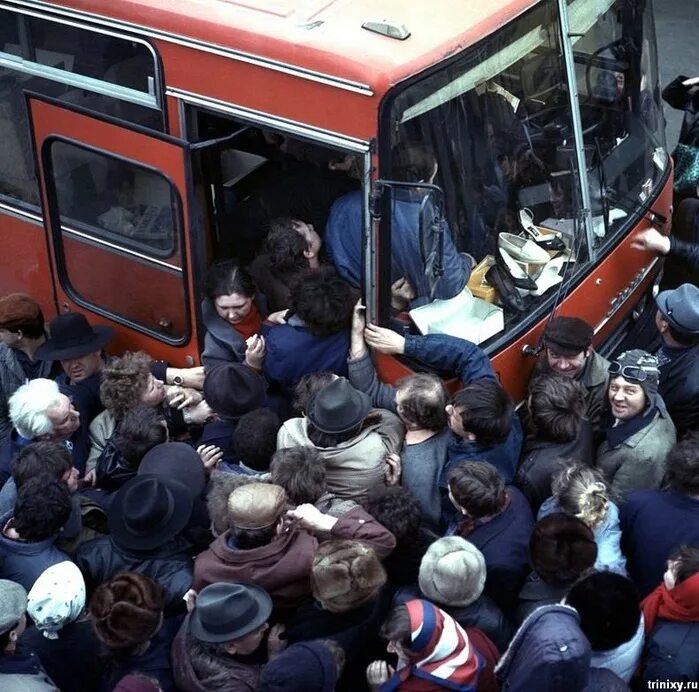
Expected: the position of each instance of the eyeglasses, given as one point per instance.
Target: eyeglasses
(630, 372)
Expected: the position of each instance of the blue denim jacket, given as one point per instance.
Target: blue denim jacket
(343, 244)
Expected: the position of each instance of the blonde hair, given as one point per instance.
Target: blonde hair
(581, 491)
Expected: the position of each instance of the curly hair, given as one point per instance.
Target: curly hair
(323, 301)
(127, 610)
(285, 247)
(397, 509)
(42, 508)
(557, 407)
(582, 492)
(43, 457)
(301, 472)
(124, 380)
(477, 487)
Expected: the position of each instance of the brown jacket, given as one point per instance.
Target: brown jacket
(283, 567)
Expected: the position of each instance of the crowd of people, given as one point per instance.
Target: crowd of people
(281, 519)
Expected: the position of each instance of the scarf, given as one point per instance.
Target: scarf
(250, 324)
(469, 524)
(441, 655)
(680, 604)
(618, 434)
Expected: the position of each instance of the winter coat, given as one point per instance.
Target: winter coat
(209, 672)
(504, 542)
(71, 673)
(170, 565)
(22, 672)
(623, 659)
(671, 652)
(541, 460)
(679, 386)
(222, 343)
(485, 615)
(23, 561)
(12, 377)
(654, 524)
(294, 351)
(283, 566)
(638, 463)
(536, 593)
(550, 653)
(607, 537)
(355, 466)
(154, 662)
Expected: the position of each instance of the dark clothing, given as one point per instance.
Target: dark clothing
(22, 561)
(195, 671)
(542, 459)
(403, 564)
(504, 542)
(654, 524)
(170, 565)
(9, 449)
(356, 631)
(684, 98)
(670, 652)
(153, 663)
(679, 386)
(293, 351)
(535, 593)
(22, 662)
(220, 433)
(486, 616)
(71, 660)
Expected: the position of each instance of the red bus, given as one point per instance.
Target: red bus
(141, 139)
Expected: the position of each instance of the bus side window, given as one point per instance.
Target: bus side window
(120, 237)
(108, 74)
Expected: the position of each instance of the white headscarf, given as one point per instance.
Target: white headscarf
(57, 598)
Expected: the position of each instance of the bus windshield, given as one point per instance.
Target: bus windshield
(495, 125)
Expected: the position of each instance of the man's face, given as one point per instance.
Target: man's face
(79, 369)
(308, 233)
(65, 419)
(626, 398)
(661, 324)
(9, 338)
(249, 643)
(566, 364)
(456, 422)
(70, 478)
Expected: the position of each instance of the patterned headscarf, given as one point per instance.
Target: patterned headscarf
(57, 598)
(440, 655)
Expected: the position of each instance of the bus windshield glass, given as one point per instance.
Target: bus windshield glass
(494, 129)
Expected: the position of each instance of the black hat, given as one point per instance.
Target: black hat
(178, 461)
(149, 510)
(680, 307)
(568, 335)
(234, 389)
(338, 407)
(225, 612)
(72, 336)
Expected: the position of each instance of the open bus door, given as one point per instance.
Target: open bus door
(116, 213)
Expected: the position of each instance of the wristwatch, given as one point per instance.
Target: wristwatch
(178, 381)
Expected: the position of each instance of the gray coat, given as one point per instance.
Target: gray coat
(12, 377)
(638, 463)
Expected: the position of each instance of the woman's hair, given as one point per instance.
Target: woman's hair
(423, 401)
(687, 558)
(323, 301)
(477, 487)
(226, 277)
(396, 627)
(127, 611)
(124, 381)
(397, 509)
(557, 407)
(581, 491)
(29, 405)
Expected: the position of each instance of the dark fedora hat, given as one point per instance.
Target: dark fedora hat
(226, 611)
(680, 307)
(149, 510)
(338, 407)
(72, 336)
(177, 461)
